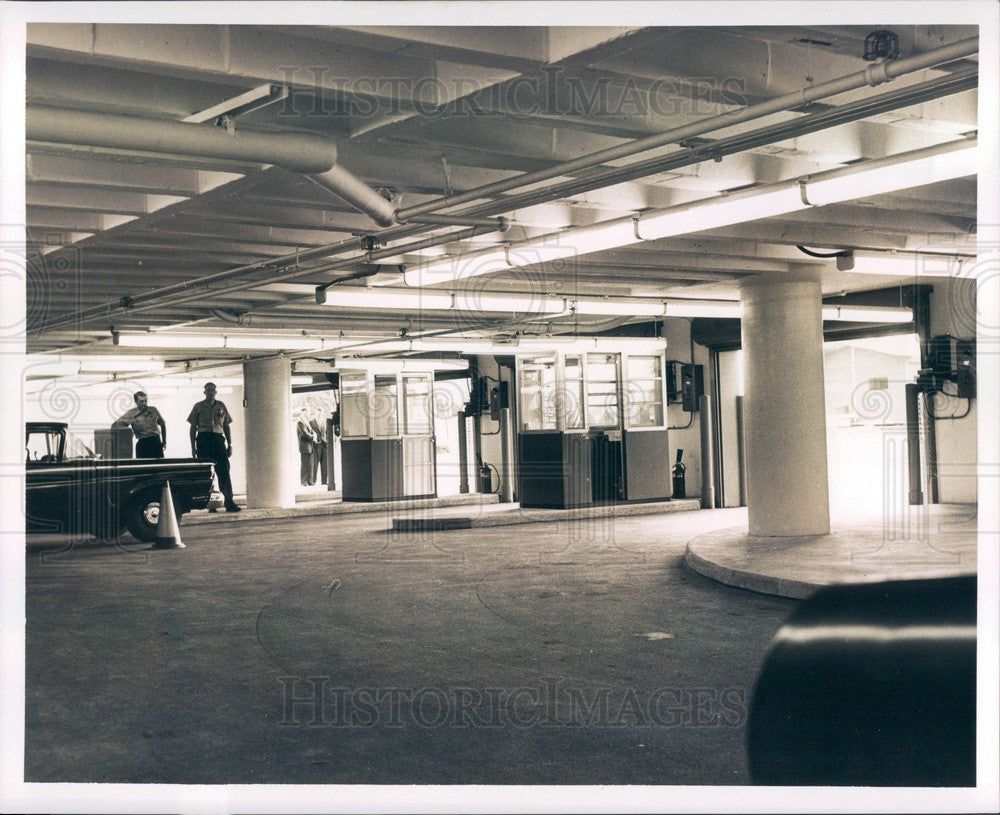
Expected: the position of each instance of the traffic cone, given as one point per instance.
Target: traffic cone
(168, 535)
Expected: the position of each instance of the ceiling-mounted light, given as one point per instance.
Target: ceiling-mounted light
(882, 176)
(241, 343)
(915, 168)
(438, 271)
(152, 340)
(868, 314)
(747, 205)
(236, 342)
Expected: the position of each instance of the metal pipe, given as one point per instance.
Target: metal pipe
(930, 434)
(457, 220)
(152, 298)
(741, 452)
(357, 193)
(874, 74)
(506, 458)
(301, 152)
(105, 311)
(806, 124)
(810, 123)
(707, 470)
(913, 442)
(463, 453)
(306, 153)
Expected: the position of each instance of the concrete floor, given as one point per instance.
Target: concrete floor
(580, 652)
(920, 542)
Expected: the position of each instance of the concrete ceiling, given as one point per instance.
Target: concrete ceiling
(421, 113)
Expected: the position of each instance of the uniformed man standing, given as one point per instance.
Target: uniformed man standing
(148, 426)
(211, 441)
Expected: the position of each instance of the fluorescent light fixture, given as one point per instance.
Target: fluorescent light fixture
(534, 345)
(915, 168)
(152, 340)
(915, 266)
(273, 343)
(583, 241)
(212, 342)
(449, 268)
(704, 308)
(50, 368)
(748, 205)
(391, 366)
(122, 363)
(436, 300)
(498, 259)
(883, 175)
(868, 314)
(521, 303)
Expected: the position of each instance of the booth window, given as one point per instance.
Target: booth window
(602, 391)
(573, 373)
(354, 405)
(416, 405)
(385, 408)
(538, 404)
(645, 391)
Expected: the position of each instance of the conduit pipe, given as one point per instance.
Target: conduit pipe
(889, 70)
(378, 254)
(810, 123)
(873, 75)
(306, 153)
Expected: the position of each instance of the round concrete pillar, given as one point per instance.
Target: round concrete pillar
(784, 412)
(271, 476)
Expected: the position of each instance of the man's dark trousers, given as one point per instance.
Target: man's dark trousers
(212, 447)
(149, 447)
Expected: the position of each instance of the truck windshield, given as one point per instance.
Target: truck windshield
(42, 445)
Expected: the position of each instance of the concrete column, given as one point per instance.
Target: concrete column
(271, 475)
(784, 410)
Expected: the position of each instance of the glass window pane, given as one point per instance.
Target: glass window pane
(602, 406)
(573, 392)
(538, 393)
(385, 410)
(644, 391)
(354, 405)
(417, 405)
(643, 367)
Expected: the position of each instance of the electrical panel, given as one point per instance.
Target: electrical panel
(499, 399)
(953, 360)
(692, 386)
(673, 382)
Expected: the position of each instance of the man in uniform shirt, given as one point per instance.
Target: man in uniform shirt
(148, 426)
(210, 440)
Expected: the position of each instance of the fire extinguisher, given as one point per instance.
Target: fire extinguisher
(485, 479)
(679, 476)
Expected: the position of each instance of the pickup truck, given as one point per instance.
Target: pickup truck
(69, 489)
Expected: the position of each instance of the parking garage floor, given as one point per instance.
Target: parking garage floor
(332, 649)
(321, 650)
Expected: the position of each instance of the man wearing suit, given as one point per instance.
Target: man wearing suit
(307, 445)
(319, 450)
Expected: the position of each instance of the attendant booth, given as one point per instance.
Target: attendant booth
(387, 434)
(591, 428)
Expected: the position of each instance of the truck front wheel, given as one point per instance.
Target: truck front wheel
(141, 514)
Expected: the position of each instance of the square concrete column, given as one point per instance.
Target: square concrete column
(271, 476)
(784, 410)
